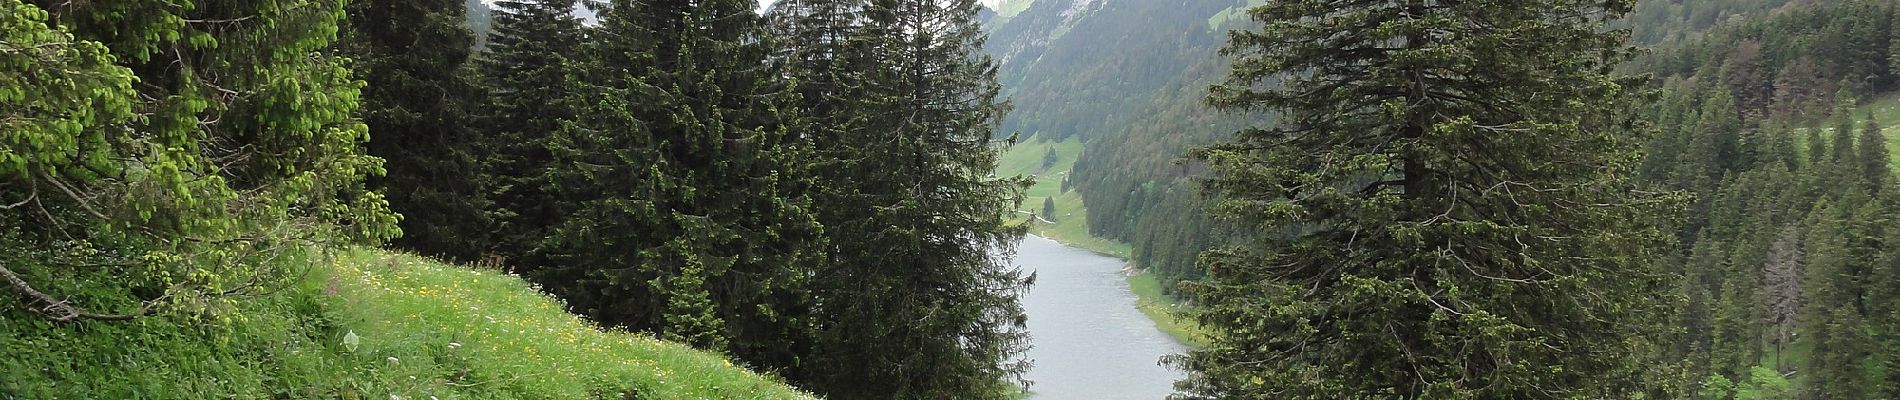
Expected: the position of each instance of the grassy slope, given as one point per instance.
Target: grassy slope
(1886, 111)
(426, 331)
(1071, 227)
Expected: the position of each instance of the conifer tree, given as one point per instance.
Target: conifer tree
(1440, 212)
(905, 106)
(1817, 147)
(531, 67)
(1873, 155)
(1717, 147)
(693, 219)
(1829, 321)
(418, 103)
(1842, 140)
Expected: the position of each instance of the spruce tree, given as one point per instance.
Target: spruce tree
(417, 101)
(531, 68)
(1873, 155)
(1440, 213)
(692, 219)
(1842, 140)
(1829, 322)
(1717, 147)
(915, 305)
(1817, 147)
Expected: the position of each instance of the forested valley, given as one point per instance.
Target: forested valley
(442, 199)
(1759, 152)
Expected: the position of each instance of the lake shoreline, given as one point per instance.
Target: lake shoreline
(1089, 339)
(1162, 310)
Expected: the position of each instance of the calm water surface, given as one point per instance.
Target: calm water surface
(1090, 341)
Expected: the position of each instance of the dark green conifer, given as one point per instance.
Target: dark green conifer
(532, 68)
(692, 216)
(1842, 140)
(1829, 321)
(417, 102)
(1873, 155)
(1440, 213)
(905, 104)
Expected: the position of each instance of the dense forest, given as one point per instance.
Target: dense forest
(807, 191)
(1786, 278)
(1760, 141)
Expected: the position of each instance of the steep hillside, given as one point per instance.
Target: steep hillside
(1124, 79)
(1780, 126)
(365, 325)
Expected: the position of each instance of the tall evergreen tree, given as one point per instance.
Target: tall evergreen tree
(916, 305)
(1842, 140)
(1441, 212)
(1873, 155)
(1716, 148)
(1883, 307)
(1830, 324)
(692, 218)
(531, 67)
(1817, 147)
(417, 101)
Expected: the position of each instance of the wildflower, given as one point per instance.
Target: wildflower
(393, 360)
(454, 345)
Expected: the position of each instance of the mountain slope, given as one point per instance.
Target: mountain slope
(1125, 79)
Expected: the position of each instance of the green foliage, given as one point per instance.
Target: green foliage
(1389, 259)
(423, 329)
(1806, 238)
(1874, 158)
(1830, 322)
(417, 101)
(692, 217)
(184, 172)
(531, 66)
(1762, 384)
(912, 303)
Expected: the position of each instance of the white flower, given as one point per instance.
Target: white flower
(454, 345)
(393, 360)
